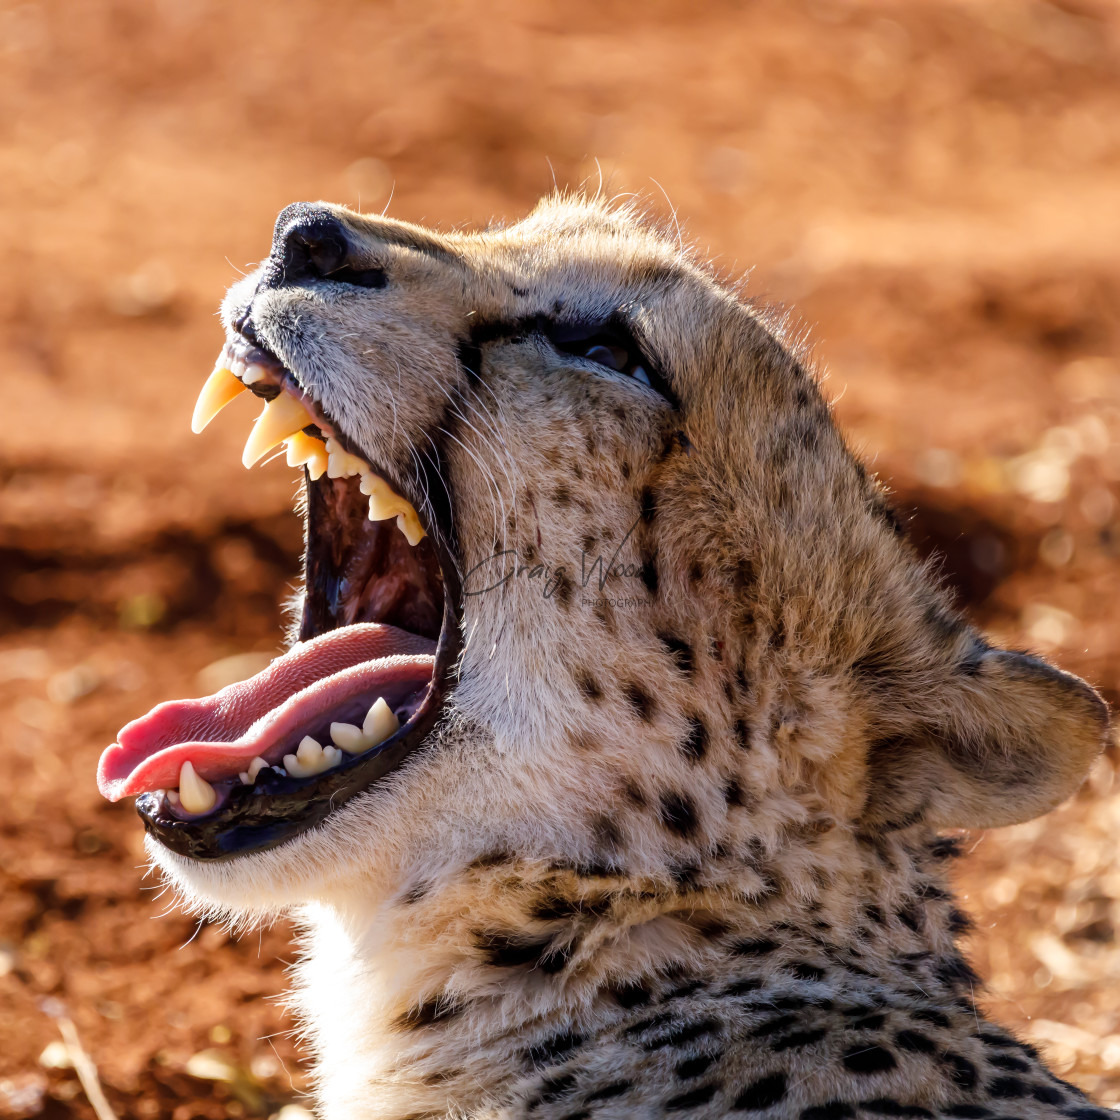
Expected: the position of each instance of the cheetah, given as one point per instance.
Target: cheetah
(613, 765)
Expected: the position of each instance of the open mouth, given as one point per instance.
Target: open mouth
(266, 758)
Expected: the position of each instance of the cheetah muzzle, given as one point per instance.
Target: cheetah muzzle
(610, 766)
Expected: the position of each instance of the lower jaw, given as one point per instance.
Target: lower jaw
(278, 807)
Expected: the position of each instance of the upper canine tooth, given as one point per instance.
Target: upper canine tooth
(380, 722)
(341, 464)
(305, 450)
(196, 795)
(281, 418)
(220, 388)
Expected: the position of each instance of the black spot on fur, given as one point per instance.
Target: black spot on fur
(548, 1049)
(743, 987)
(415, 893)
(553, 1088)
(633, 793)
(428, 1014)
(764, 1093)
(959, 922)
(629, 995)
(1010, 1063)
(869, 1059)
(695, 744)
(930, 1015)
(1047, 1094)
(874, 914)
(869, 1023)
(640, 700)
(961, 1070)
(832, 1110)
(915, 1042)
(911, 917)
(1008, 1088)
(742, 734)
(678, 814)
(680, 1033)
(1087, 1114)
(805, 971)
(693, 1067)
(796, 1041)
(883, 1106)
(491, 859)
(648, 572)
(647, 504)
(690, 1099)
(680, 650)
(588, 686)
(946, 847)
(774, 1026)
(508, 950)
(957, 973)
(614, 1089)
(755, 947)
(967, 1111)
(733, 793)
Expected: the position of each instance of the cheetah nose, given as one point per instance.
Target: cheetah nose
(313, 244)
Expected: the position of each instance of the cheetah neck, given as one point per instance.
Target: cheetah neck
(455, 998)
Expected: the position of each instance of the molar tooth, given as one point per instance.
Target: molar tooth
(305, 450)
(384, 503)
(196, 794)
(220, 388)
(341, 464)
(380, 722)
(281, 418)
(350, 738)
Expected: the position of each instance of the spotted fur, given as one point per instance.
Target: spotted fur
(674, 848)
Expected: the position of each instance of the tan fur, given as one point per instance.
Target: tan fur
(712, 811)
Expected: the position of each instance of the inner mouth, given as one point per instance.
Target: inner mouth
(266, 758)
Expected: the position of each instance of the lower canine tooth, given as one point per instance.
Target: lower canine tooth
(350, 738)
(195, 794)
(220, 388)
(380, 722)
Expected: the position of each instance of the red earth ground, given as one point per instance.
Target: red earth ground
(934, 187)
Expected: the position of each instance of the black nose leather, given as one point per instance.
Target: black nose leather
(315, 245)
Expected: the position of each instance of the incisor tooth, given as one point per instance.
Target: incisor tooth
(341, 464)
(195, 794)
(305, 450)
(220, 388)
(380, 722)
(253, 374)
(350, 738)
(310, 752)
(281, 418)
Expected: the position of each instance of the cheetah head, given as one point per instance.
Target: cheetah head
(590, 576)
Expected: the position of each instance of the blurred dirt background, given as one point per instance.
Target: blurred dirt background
(933, 186)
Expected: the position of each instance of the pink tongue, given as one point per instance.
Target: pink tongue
(336, 676)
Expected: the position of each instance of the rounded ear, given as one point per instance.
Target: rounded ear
(1007, 740)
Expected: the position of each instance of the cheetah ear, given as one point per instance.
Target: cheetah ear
(1009, 739)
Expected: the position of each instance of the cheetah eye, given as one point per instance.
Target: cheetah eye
(613, 356)
(612, 346)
